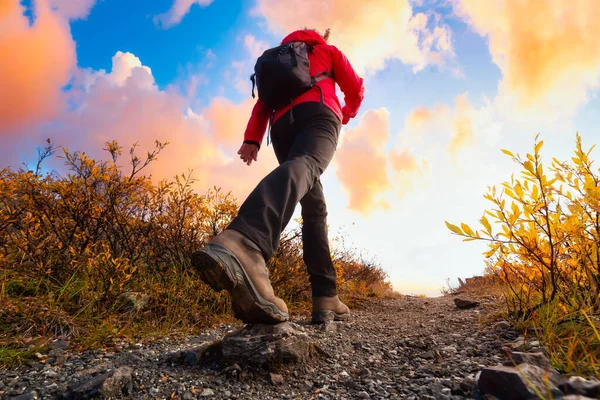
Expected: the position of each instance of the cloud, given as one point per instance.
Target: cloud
(369, 33)
(73, 9)
(362, 163)
(442, 124)
(548, 52)
(178, 10)
(254, 46)
(126, 105)
(37, 63)
(462, 127)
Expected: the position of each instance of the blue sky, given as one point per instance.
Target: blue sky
(448, 83)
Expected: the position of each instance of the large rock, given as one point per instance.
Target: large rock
(465, 304)
(581, 386)
(109, 384)
(514, 383)
(267, 345)
(538, 359)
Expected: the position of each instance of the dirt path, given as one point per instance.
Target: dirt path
(400, 348)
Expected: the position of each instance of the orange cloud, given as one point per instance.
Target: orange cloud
(403, 161)
(126, 105)
(362, 163)
(548, 50)
(368, 32)
(462, 133)
(454, 123)
(37, 62)
(178, 10)
(407, 171)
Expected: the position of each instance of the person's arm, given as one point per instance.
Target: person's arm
(350, 84)
(257, 125)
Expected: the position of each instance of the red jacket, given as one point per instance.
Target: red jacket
(324, 58)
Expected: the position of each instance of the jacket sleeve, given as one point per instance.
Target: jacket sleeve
(257, 125)
(350, 83)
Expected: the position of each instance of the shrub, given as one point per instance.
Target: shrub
(102, 252)
(545, 250)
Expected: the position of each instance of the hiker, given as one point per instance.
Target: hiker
(298, 104)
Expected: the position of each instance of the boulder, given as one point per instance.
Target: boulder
(581, 386)
(114, 383)
(513, 383)
(538, 359)
(267, 345)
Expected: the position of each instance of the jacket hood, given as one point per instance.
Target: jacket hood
(309, 37)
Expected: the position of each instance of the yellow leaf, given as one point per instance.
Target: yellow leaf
(538, 146)
(467, 230)
(529, 166)
(508, 153)
(486, 224)
(519, 190)
(454, 228)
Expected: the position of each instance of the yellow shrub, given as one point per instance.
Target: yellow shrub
(544, 235)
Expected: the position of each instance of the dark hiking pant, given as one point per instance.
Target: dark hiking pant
(304, 149)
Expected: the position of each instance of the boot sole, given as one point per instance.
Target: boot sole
(221, 270)
(321, 317)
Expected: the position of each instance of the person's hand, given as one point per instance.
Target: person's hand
(248, 153)
(345, 116)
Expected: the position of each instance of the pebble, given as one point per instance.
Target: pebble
(389, 349)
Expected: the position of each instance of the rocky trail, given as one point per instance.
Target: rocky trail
(405, 348)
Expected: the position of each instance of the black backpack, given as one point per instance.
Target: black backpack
(283, 73)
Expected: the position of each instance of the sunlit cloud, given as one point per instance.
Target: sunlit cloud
(362, 165)
(369, 33)
(37, 63)
(548, 52)
(178, 10)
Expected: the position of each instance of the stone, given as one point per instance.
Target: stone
(275, 379)
(27, 396)
(207, 392)
(538, 359)
(59, 344)
(132, 301)
(329, 326)
(464, 304)
(267, 345)
(581, 386)
(501, 326)
(109, 384)
(194, 355)
(514, 382)
(575, 397)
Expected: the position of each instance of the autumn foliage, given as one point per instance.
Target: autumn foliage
(543, 231)
(100, 251)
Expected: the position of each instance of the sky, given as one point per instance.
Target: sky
(449, 83)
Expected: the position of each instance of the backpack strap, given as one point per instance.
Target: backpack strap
(253, 79)
(318, 78)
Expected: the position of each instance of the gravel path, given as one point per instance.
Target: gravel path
(414, 348)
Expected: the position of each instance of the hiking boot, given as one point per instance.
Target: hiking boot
(329, 309)
(234, 263)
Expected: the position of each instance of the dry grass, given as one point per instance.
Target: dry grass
(99, 254)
